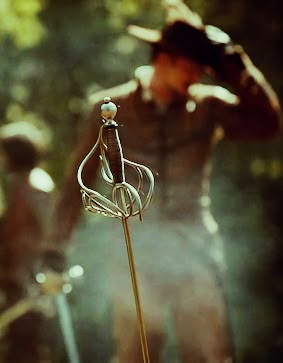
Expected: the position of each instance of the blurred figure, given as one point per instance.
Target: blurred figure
(29, 199)
(170, 124)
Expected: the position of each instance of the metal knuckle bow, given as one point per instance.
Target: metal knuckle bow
(126, 200)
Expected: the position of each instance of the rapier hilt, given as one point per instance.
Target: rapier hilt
(126, 199)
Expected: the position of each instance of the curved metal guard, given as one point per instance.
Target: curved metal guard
(126, 200)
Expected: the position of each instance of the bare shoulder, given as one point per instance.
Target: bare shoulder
(202, 92)
(121, 91)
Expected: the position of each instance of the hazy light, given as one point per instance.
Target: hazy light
(41, 180)
(67, 288)
(40, 278)
(258, 167)
(275, 169)
(125, 45)
(76, 271)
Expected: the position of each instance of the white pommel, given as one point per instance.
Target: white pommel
(108, 109)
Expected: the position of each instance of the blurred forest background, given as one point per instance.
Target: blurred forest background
(55, 54)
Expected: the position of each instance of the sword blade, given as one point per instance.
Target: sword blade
(67, 329)
(142, 331)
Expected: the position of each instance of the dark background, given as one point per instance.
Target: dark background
(55, 54)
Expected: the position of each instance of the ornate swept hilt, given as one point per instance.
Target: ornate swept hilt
(126, 199)
(44, 297)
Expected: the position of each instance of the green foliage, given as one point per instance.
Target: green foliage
(54, 56)
(19, 20)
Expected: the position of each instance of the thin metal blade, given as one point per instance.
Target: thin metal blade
(67, 329)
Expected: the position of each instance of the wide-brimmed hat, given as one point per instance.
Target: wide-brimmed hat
(184, 34)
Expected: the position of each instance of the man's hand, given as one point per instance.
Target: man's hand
(177, 10)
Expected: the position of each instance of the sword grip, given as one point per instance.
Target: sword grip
(114, 153)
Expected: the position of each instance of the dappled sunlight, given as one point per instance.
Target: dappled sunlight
(19, 20)
(39, 179)
(272, 169)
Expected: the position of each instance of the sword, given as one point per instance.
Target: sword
(126, 201)
(53, 288)
(56, 286)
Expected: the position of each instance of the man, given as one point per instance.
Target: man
(23, 226)
(170, 124)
